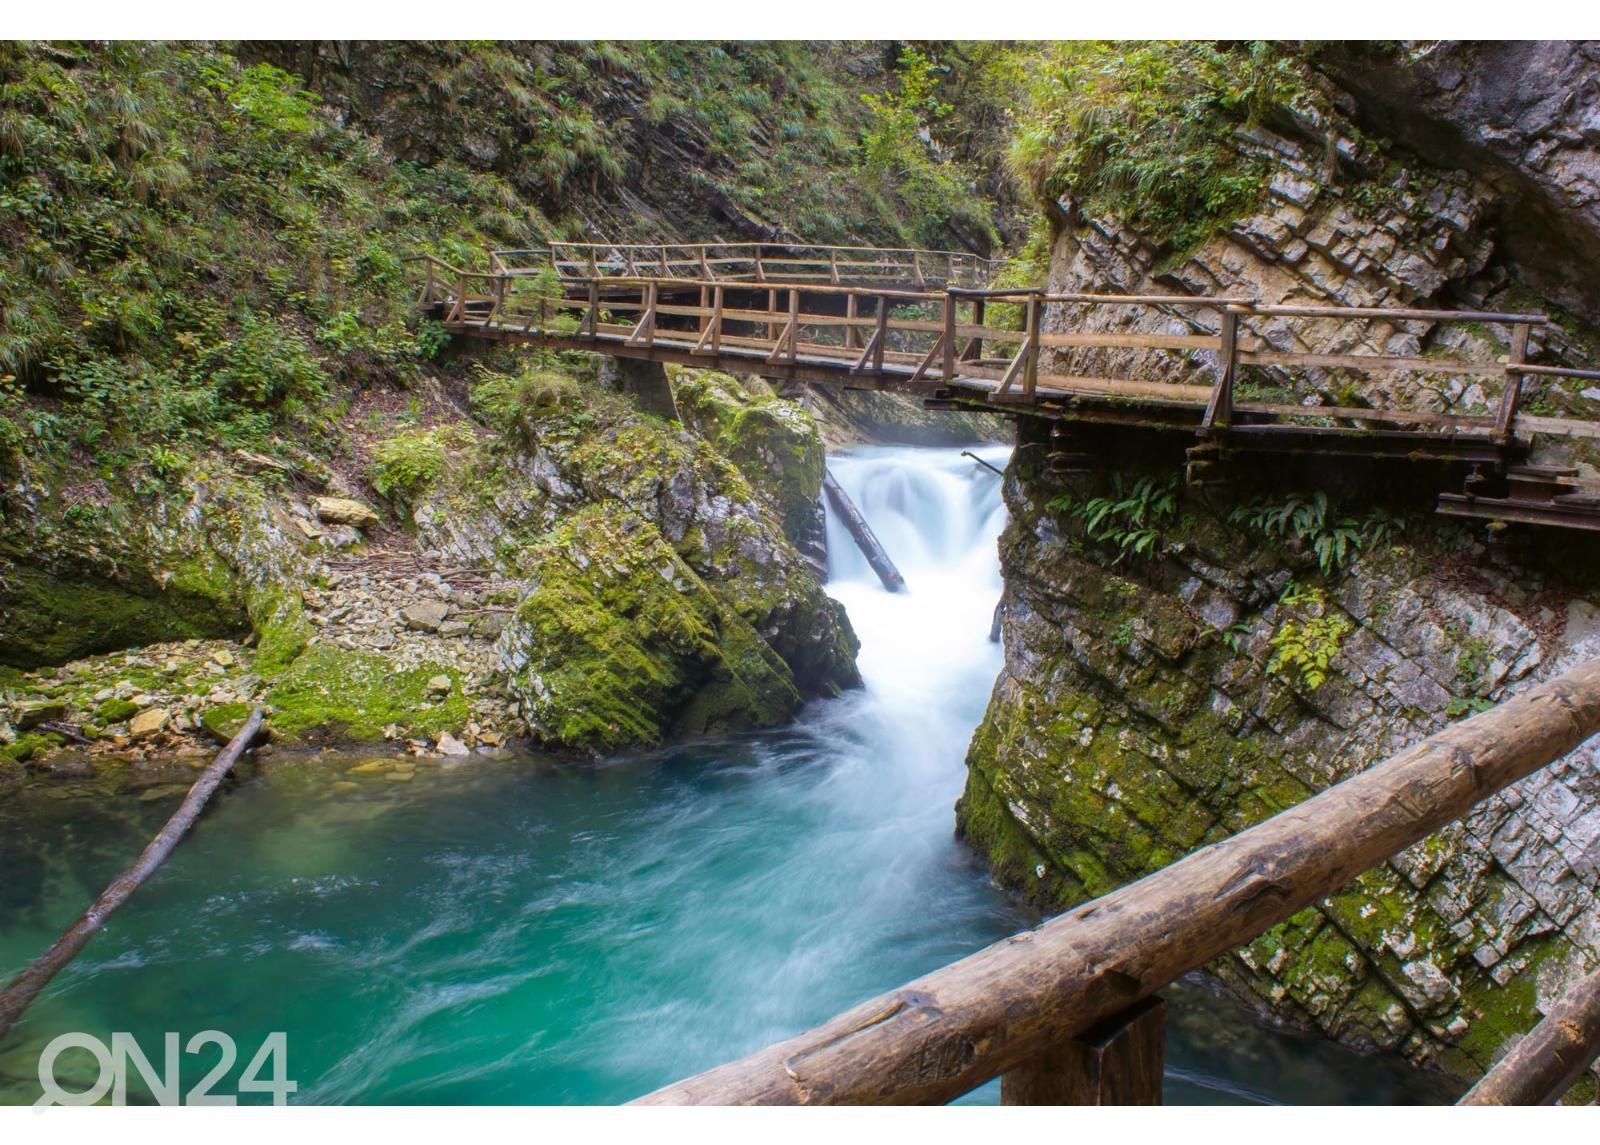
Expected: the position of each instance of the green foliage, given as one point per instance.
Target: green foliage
(509, 402)
(201, 253)
(898, 157)
(1145, 130)
(1130, 518)
(404, 464)
(1304, 645)
(1308, 520)
(1467, 706)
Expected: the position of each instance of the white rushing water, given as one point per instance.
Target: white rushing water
(538, 933)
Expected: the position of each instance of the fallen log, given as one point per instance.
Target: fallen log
(1553, 1055)
(871, 547)
(948, 1032)
(27, 986)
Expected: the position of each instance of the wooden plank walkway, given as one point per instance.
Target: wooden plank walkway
(861, 318)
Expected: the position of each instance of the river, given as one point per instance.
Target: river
(529, 931)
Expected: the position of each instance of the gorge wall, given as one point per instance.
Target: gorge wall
(1182, 662)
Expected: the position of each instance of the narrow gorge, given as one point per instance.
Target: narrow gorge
(466, 408)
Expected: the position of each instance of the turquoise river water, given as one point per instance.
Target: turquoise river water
(527, 931)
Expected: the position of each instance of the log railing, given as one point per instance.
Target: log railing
(1067, 1012)
(1003, 342)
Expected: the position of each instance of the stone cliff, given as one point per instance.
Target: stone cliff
(1183, 662)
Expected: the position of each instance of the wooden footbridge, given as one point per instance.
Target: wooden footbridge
(926, 322)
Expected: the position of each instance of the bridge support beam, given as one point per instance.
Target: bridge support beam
(644, 381)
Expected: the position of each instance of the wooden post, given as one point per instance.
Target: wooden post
(592, 318)
(949, 365)
(1504, 424)
(1030, 367)
(701, 321)
(882, 338)
(794, 323)
(916, 265)
(833, 266)
(1551, 1057)
(1118, 1062)
(852, 336)
(705, 266)
(716, 320)
(1219, 410)
(974, 349)
(772, 309)
(25, 987)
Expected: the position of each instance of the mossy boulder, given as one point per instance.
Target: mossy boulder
(620, 643)
(774, 442)
(50, 616)
(330, 693)
(115, 711)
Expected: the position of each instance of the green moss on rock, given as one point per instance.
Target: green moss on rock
(775, 443)
(46, 618)
(115, 711)
(282, 630)
(333, 694)
(224, 721)
(619, 643)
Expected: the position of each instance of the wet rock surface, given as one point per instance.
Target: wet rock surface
(1144, 711)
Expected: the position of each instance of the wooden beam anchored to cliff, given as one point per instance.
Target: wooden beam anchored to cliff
(1006, 1007)
(27, 986)
(1554, 1054)
(858, 528)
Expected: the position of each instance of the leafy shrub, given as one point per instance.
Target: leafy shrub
(406, 463)
(506, 401)
(1304, 646)
(1144, 130)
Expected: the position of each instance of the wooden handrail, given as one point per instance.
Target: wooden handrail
(1017, 368)
(1553, 1055)
(948, 1032)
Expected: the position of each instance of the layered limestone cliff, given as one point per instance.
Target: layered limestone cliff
(1157, 700)
(1183, 662)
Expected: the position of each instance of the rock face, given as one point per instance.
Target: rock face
(1522, 114)
(1149, 706)
(619, 643)
(726, 625)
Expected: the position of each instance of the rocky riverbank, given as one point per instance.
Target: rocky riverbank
(560, 569)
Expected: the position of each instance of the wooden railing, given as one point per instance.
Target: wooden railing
(1002, 342)
(1067, 1013)
(753, 262)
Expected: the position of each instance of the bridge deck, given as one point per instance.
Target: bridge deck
(1057, 356)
